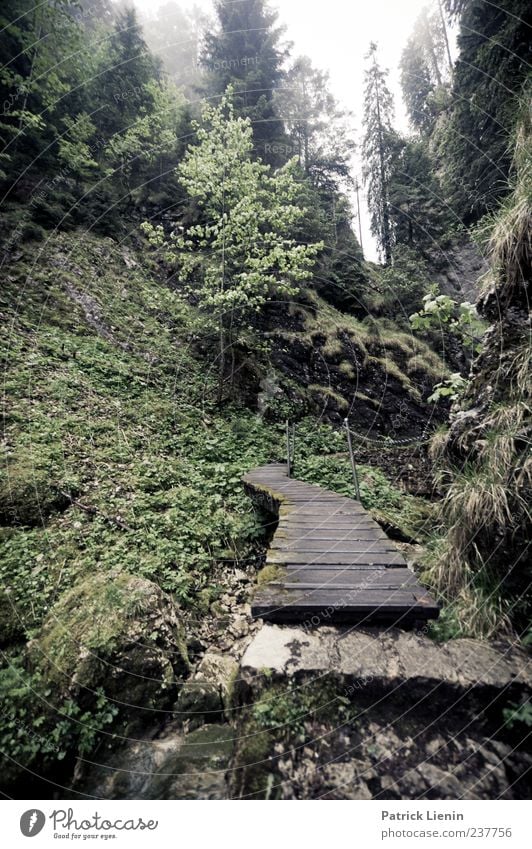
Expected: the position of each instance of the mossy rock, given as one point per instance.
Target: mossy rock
(29, 493)
(116, 632)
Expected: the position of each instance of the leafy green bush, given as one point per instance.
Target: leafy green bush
(37, 733)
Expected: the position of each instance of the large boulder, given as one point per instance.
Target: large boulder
(117, 633)
(205, 697)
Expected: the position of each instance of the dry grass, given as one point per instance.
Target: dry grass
(438, 443)
(347, 369)
(326, 394)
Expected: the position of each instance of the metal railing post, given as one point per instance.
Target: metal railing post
(352, 458)
(293, 446)
(288, 463)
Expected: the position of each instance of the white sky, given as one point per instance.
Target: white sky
(335, 34)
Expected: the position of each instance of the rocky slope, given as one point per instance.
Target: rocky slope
(367, 714)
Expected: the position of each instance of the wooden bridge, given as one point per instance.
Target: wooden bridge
(332, 562)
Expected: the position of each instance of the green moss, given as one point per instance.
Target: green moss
(361, 396)
(30, 488)
(270, 573)
(392, 370)
(92, 617)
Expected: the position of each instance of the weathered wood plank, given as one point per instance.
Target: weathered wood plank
(340, 546)
(388, 578)
(384, 558)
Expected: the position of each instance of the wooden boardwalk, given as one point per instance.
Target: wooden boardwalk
(333, 561)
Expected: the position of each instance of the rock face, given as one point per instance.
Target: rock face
(361, 714)
(206, 696)
(464, 266)
(177, 766)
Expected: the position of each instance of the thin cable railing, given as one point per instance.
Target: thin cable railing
(387, 442)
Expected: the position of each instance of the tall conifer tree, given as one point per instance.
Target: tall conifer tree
(378, 150)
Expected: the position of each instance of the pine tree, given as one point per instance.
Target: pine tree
(173, 36)
(425, 70)
(378, 148)
(34, 85)
(246, 52)
(122, 88)
(316, 126)
(418, 212)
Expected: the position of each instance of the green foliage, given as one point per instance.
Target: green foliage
(473, 141)
(518, 715)
(143, 154)
(449, 389)
(419, 216)
(440, 312)
(291, 713)
(317, 128)
(155, 470)
(403, 284)
(425, 70)
(250, 217)
(243, 252)
(38, 733)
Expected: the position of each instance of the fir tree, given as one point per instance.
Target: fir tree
(316, 126)
(418, 212)
(122, 87)
(378, 148)
(426, 70)
(246, 52)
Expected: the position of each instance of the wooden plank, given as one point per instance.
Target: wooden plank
(330, 521)
(388, 578)
(385, 558)
(341, 606)
(340, 546)
(337, 597)
(351, 536)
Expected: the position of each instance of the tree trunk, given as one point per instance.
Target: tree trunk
(221, 365)
(386, 240)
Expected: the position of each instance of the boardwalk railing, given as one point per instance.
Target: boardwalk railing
(291, 450)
